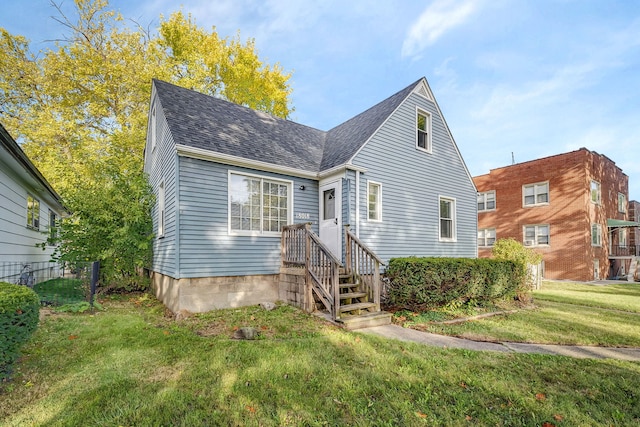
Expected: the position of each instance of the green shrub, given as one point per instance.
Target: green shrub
(512, 250)
(419, 283)
(19, 314)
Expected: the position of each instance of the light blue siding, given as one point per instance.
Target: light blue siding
(412, 181)
(162, 161)
(206, 248)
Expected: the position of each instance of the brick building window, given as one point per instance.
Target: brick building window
(536, 235)
(596, 193)
(486, 201)
(596, 235)
(536, 194)
(486, 237)
(622, 203)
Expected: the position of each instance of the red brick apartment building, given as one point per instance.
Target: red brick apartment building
(572, 208)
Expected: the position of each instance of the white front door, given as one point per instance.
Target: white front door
(330, 212)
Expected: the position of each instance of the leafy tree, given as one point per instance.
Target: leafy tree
(80, 110)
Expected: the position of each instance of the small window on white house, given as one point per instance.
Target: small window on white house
(374, 196)
(622, 203)
(447, 219)
(423, 130)
(258, 205)
(486, 237)
(536, 235)
(596, 194)
(161, 197)
(53, 226)
(486, 201)
(33, 212)
(596, 235)
(536, 194)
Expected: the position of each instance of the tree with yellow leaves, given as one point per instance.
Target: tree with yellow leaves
(80, 111)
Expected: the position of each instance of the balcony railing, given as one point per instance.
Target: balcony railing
(628, 250)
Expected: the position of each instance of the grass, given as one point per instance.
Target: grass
(132, 365)
(564, 313)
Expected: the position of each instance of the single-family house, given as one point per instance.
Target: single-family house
(572, 208)
(29, 211)
(228, 180)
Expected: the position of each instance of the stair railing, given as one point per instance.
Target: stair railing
(301, 247)
(364, 263)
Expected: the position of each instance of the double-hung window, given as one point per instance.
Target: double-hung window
(596, 235)
(486, 201)
(423, 130)
(258, 205)
(486, 237)
(536, 235)
(536, 194)
(33, 212)
(374, 197)
(53, 226)
(596, 193)
(622, 237)
(447, 219)
(622, 203)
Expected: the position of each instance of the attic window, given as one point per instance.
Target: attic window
(423, 131)
(422, 91)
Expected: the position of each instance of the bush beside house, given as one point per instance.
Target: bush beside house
(420, 283)
(19, 315)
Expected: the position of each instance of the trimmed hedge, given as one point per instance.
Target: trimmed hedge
(19, 315)
(419, 283)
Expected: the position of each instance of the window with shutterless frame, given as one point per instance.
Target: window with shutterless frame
(536, 194)
(486, 201)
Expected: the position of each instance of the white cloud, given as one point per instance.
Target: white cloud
(438, 18)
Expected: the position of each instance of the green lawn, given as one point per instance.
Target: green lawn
(130, 365)
(564, 313)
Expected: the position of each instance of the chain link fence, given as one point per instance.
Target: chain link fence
(57, 284)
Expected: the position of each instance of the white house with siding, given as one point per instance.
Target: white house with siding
(29, 207)
(228, 178)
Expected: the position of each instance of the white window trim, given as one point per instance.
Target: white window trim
(485, 237)
(429, 148)
(535, 241)
(599, 201)
(483, 194)
(290, 205)
(35, 210)
(161, 209)
(379, 204)
(598, 234)
(535, 195)
(622, 197)
(454, 224)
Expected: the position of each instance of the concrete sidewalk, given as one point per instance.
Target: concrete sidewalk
(582, 352)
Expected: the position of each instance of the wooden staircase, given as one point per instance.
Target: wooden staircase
(349, 293)
(356, 311)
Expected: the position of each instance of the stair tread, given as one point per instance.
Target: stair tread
(353, 295)
(349, 285)
(356, 306)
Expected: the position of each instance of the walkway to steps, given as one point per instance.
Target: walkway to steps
(581, 352)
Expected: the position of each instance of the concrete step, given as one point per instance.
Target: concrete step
(366, 320)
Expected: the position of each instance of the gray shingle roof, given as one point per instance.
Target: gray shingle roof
(210, 123)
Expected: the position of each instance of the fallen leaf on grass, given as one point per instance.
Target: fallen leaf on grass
(463, 384)
(421, 415)
(251, 409)
(548, 424)
(357, 339)
(166, 332)
(558, 417)
(468, 417)
(540, 396)
(73, 337)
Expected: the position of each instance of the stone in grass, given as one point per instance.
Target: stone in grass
(267, 306)
(246, 333)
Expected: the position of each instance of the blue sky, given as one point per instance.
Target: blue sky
(532, 78)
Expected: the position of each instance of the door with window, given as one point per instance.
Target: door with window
(330, 223)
